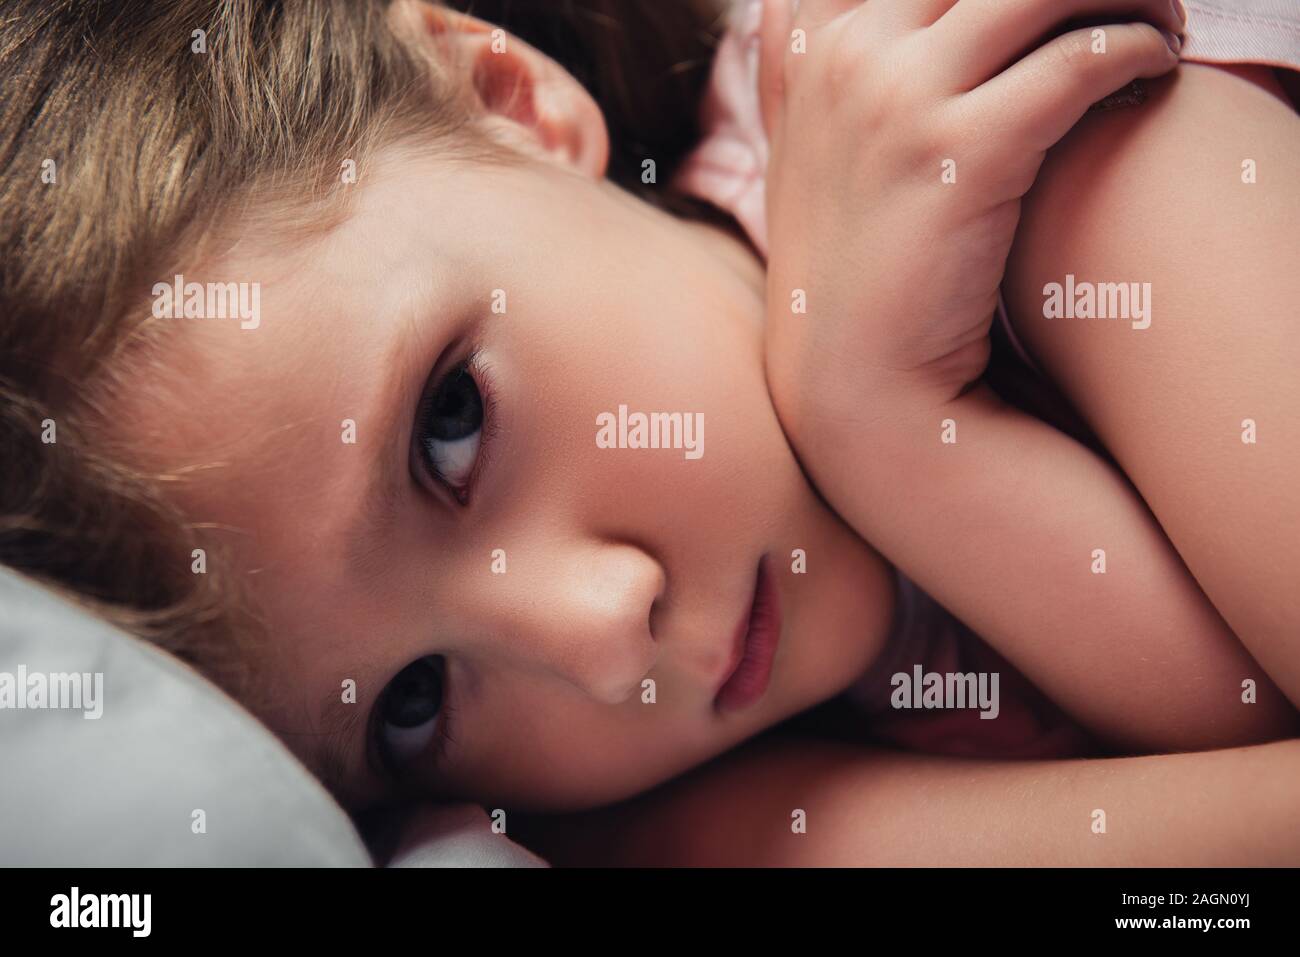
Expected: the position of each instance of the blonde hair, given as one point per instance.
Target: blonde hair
(123, 126)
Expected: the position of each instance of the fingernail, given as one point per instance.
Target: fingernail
(1179, 10)
(1175, 44)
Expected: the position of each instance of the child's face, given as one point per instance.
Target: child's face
(571, 572)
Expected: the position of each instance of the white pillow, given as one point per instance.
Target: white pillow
(458, 835)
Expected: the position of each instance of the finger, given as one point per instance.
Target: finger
(773, 44)
(893, 15)
(977, 39)
(776, 42)
(814, 14)
(884, 18)
(920, 13)
(1035, 102)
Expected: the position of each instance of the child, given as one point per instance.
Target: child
(387, 471)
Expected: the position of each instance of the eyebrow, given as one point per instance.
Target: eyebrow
(339, 725)
(383, 493)
(373, 528)
(335, 738)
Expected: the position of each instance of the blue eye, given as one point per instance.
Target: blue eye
(409, 708)
(449, 429)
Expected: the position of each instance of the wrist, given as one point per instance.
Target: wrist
(873, 432)
(828, 399)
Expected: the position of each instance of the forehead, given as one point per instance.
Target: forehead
(329, 299)
(253, 418)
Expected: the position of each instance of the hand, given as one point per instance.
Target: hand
(903, 139)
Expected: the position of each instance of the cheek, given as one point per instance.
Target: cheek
(535, 747)
(841, 602)
(585, 383)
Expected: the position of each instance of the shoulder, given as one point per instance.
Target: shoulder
(1122, 175)
(1180, 192)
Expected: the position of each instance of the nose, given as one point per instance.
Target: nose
(583, 614)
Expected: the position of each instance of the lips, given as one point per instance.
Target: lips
(756, 639)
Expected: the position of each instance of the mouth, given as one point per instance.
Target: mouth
(755, 647)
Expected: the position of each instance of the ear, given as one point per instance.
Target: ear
(525, 95)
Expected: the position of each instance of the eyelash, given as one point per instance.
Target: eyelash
(482, 382)
(399, 773)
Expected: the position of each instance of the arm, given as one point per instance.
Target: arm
(869, 808)
(900, 270)
(1001, 527)
(1156, 194)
